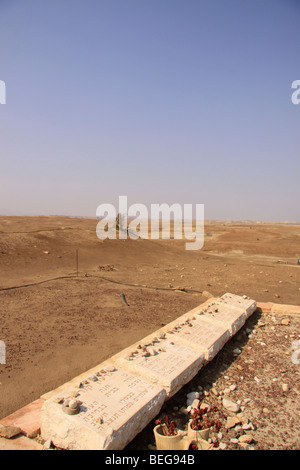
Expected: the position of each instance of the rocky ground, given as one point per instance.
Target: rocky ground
(253, 385)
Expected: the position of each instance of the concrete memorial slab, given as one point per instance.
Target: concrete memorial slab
(222, 314)
(114, 406)
(239, 302)
(202, 335)
(164, 361)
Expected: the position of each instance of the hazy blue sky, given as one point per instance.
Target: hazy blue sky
(169, 101)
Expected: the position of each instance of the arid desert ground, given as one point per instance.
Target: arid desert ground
(57, 324)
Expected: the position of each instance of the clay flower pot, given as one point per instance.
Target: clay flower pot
(201, 434)
(163, 442)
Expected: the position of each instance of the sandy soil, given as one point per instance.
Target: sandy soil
(62, 324)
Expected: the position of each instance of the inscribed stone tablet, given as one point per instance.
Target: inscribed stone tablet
(231, 318)
(236, 301)
(113, 410)
(202, 335)
(169, 363)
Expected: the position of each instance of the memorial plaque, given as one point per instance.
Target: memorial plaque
(236, 301)
(223, 314)
(167, 362)
(114, 407)
(202, 335)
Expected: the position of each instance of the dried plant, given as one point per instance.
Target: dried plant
(201, 418)
(167, 427)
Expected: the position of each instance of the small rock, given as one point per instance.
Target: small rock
(246, 439)
(296, 344)
(203, 406)
(236, 351)
(9, 431)
(296, 357)
(222, 446)
(191, 397)
(247, 400)
(58, 400)
(246, 426)
(232, 422)
(195, 403)
(73, 404)
(47, 445)
(285, 387)
(285, 321)
(230, 405)
(92, 378)
(146, 354)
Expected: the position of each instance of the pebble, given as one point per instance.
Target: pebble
(285, 387)
(234, 440)
(203, 406)
(247, 426)
(246, 439)
(92, 378)
(195, 403)
(296, 357)
(232, 422)
(230, 405)
(58, 400)
(191, 397)
(73, 404)
(47, 445)
(222, 446)
(9, 432)
(236, 351)
(296, 344)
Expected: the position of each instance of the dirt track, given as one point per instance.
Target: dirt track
(60, 328)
